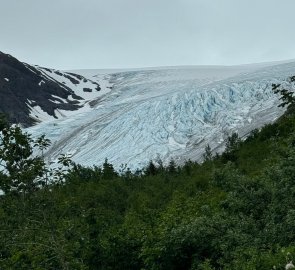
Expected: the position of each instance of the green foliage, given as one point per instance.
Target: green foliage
(172, 168)
(286, 96)
(108, 171)
(234, 211)
(21, 171)
(151, 169)
(207, 156)
(232, 144)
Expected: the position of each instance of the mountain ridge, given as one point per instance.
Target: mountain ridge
(32, 94)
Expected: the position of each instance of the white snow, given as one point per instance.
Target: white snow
(65, 113)
(74, 89)
(62, 100)
(88, 73)
(56, 101)
(167, 113)
(78, 88)
(38, 114)
(41, 82)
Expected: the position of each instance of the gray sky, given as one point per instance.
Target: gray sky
(76, 34)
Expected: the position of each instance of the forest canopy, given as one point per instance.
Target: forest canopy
(235, 210)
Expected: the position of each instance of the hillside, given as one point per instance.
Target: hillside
(234, 211)
(31, 94)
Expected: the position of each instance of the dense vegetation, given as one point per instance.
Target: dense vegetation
(234, 211)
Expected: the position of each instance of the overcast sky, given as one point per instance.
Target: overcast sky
(76, 34)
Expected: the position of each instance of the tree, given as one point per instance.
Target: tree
(21, 172)
(172, 166)
(151, 169)
(108, 171)
(208, 153)
(232, 144)
(28, 208)
(287, 96)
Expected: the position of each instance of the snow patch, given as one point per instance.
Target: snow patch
(39, 115)
(41, 82)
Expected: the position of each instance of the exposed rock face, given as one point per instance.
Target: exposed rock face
(25, 88)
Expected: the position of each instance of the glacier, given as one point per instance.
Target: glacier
(166, 113)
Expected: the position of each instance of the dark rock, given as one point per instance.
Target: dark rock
(87, 90)
(79, 77)
(74, 81)
(24, 85)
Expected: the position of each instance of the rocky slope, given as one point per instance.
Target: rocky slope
(31, 94)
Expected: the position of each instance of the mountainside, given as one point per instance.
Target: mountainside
(31, 94)
(168, 113)
(131, 117)
(234, 211)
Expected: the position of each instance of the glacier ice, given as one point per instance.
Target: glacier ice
(167, 113)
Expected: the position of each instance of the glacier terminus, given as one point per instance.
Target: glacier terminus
(165, 113)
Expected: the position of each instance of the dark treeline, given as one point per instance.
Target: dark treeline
(236, 210)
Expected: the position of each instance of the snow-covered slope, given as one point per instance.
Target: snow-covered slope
(168, 113)
(82, 90)
(31, 94)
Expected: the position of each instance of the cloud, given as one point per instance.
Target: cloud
(134, 33)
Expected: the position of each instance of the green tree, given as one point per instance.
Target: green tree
(172, 166)
(287, 95)
(21, 171)
(207, 156)
(151, 169)
(108, 171)
(232, 145)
